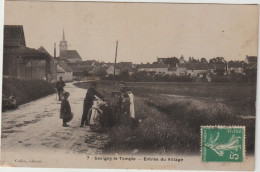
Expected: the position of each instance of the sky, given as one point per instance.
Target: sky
(144, 31)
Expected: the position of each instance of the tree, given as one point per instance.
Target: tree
(172, 61)
(192, 60)
(203, 60)
(217, 60)
(124, 75)
(101, 71)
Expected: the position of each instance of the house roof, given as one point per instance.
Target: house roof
(64, 66)
(71, 54)
(42, 49)
(14, 35)
(112, 66)
(251, 66)
(26, 53)
(153, 66)
(251, 59)
(125, 63)
(80, 67)
(235, 64)
(199, 66)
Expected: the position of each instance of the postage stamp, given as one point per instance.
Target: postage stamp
(128, 85)
(223, 143)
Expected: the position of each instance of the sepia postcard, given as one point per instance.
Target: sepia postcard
(122, 85)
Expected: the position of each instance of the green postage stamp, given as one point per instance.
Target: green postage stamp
(223, 143)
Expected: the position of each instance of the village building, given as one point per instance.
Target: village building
(157, 68)
(236, 67)
(64, 71)
(126, 65)
(173, 71)
(132, 71)
(161, 60)
(90, 62)
(21, 61)
(52, 65)
(250, 59)
(197, 69)
(79, 70)
(181, 69)
(220, 68)
(110, 70)
(70, 55)
(250, 67)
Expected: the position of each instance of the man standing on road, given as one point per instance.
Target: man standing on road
(59, 86)
(124, 103)
(88, 102)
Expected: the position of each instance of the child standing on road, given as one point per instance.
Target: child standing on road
(65, 110)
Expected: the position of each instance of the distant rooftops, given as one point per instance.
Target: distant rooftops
(153, 66)
(64, 66)
(251, 59)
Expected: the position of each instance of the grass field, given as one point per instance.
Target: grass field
(172, 114)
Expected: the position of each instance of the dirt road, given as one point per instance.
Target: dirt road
(37, 126)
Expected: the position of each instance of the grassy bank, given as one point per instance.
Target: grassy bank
(26, 90)
(172, 123)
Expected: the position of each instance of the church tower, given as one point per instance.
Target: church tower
(63, 45)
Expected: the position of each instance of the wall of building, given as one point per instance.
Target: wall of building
(110, 71)
(31, 69)
(66, 76)
(156, 70)
(9, 65)
(181, 71)
(236, 70)
(195, 72)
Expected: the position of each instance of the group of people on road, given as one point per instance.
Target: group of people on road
(124, 110)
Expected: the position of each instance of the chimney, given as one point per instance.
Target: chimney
(55, 50)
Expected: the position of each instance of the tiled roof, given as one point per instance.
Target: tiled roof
(71, 54)
(235, 64)
(43, 50)
(64, 66)
(14, 35)
(199, 66)
(252, 59)
(26, 53)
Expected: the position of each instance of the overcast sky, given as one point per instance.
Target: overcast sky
(145, 31)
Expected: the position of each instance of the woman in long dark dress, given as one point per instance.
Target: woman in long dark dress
(65, 111)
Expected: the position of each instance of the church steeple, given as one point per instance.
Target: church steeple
(63, 36)
(63, 45)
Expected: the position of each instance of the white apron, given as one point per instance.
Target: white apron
(132, 106)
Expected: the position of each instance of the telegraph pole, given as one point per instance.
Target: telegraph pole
(115, 63)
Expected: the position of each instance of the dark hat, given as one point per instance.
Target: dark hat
(94, 83)
(66, 94)
(128, 89)
(121, 82)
